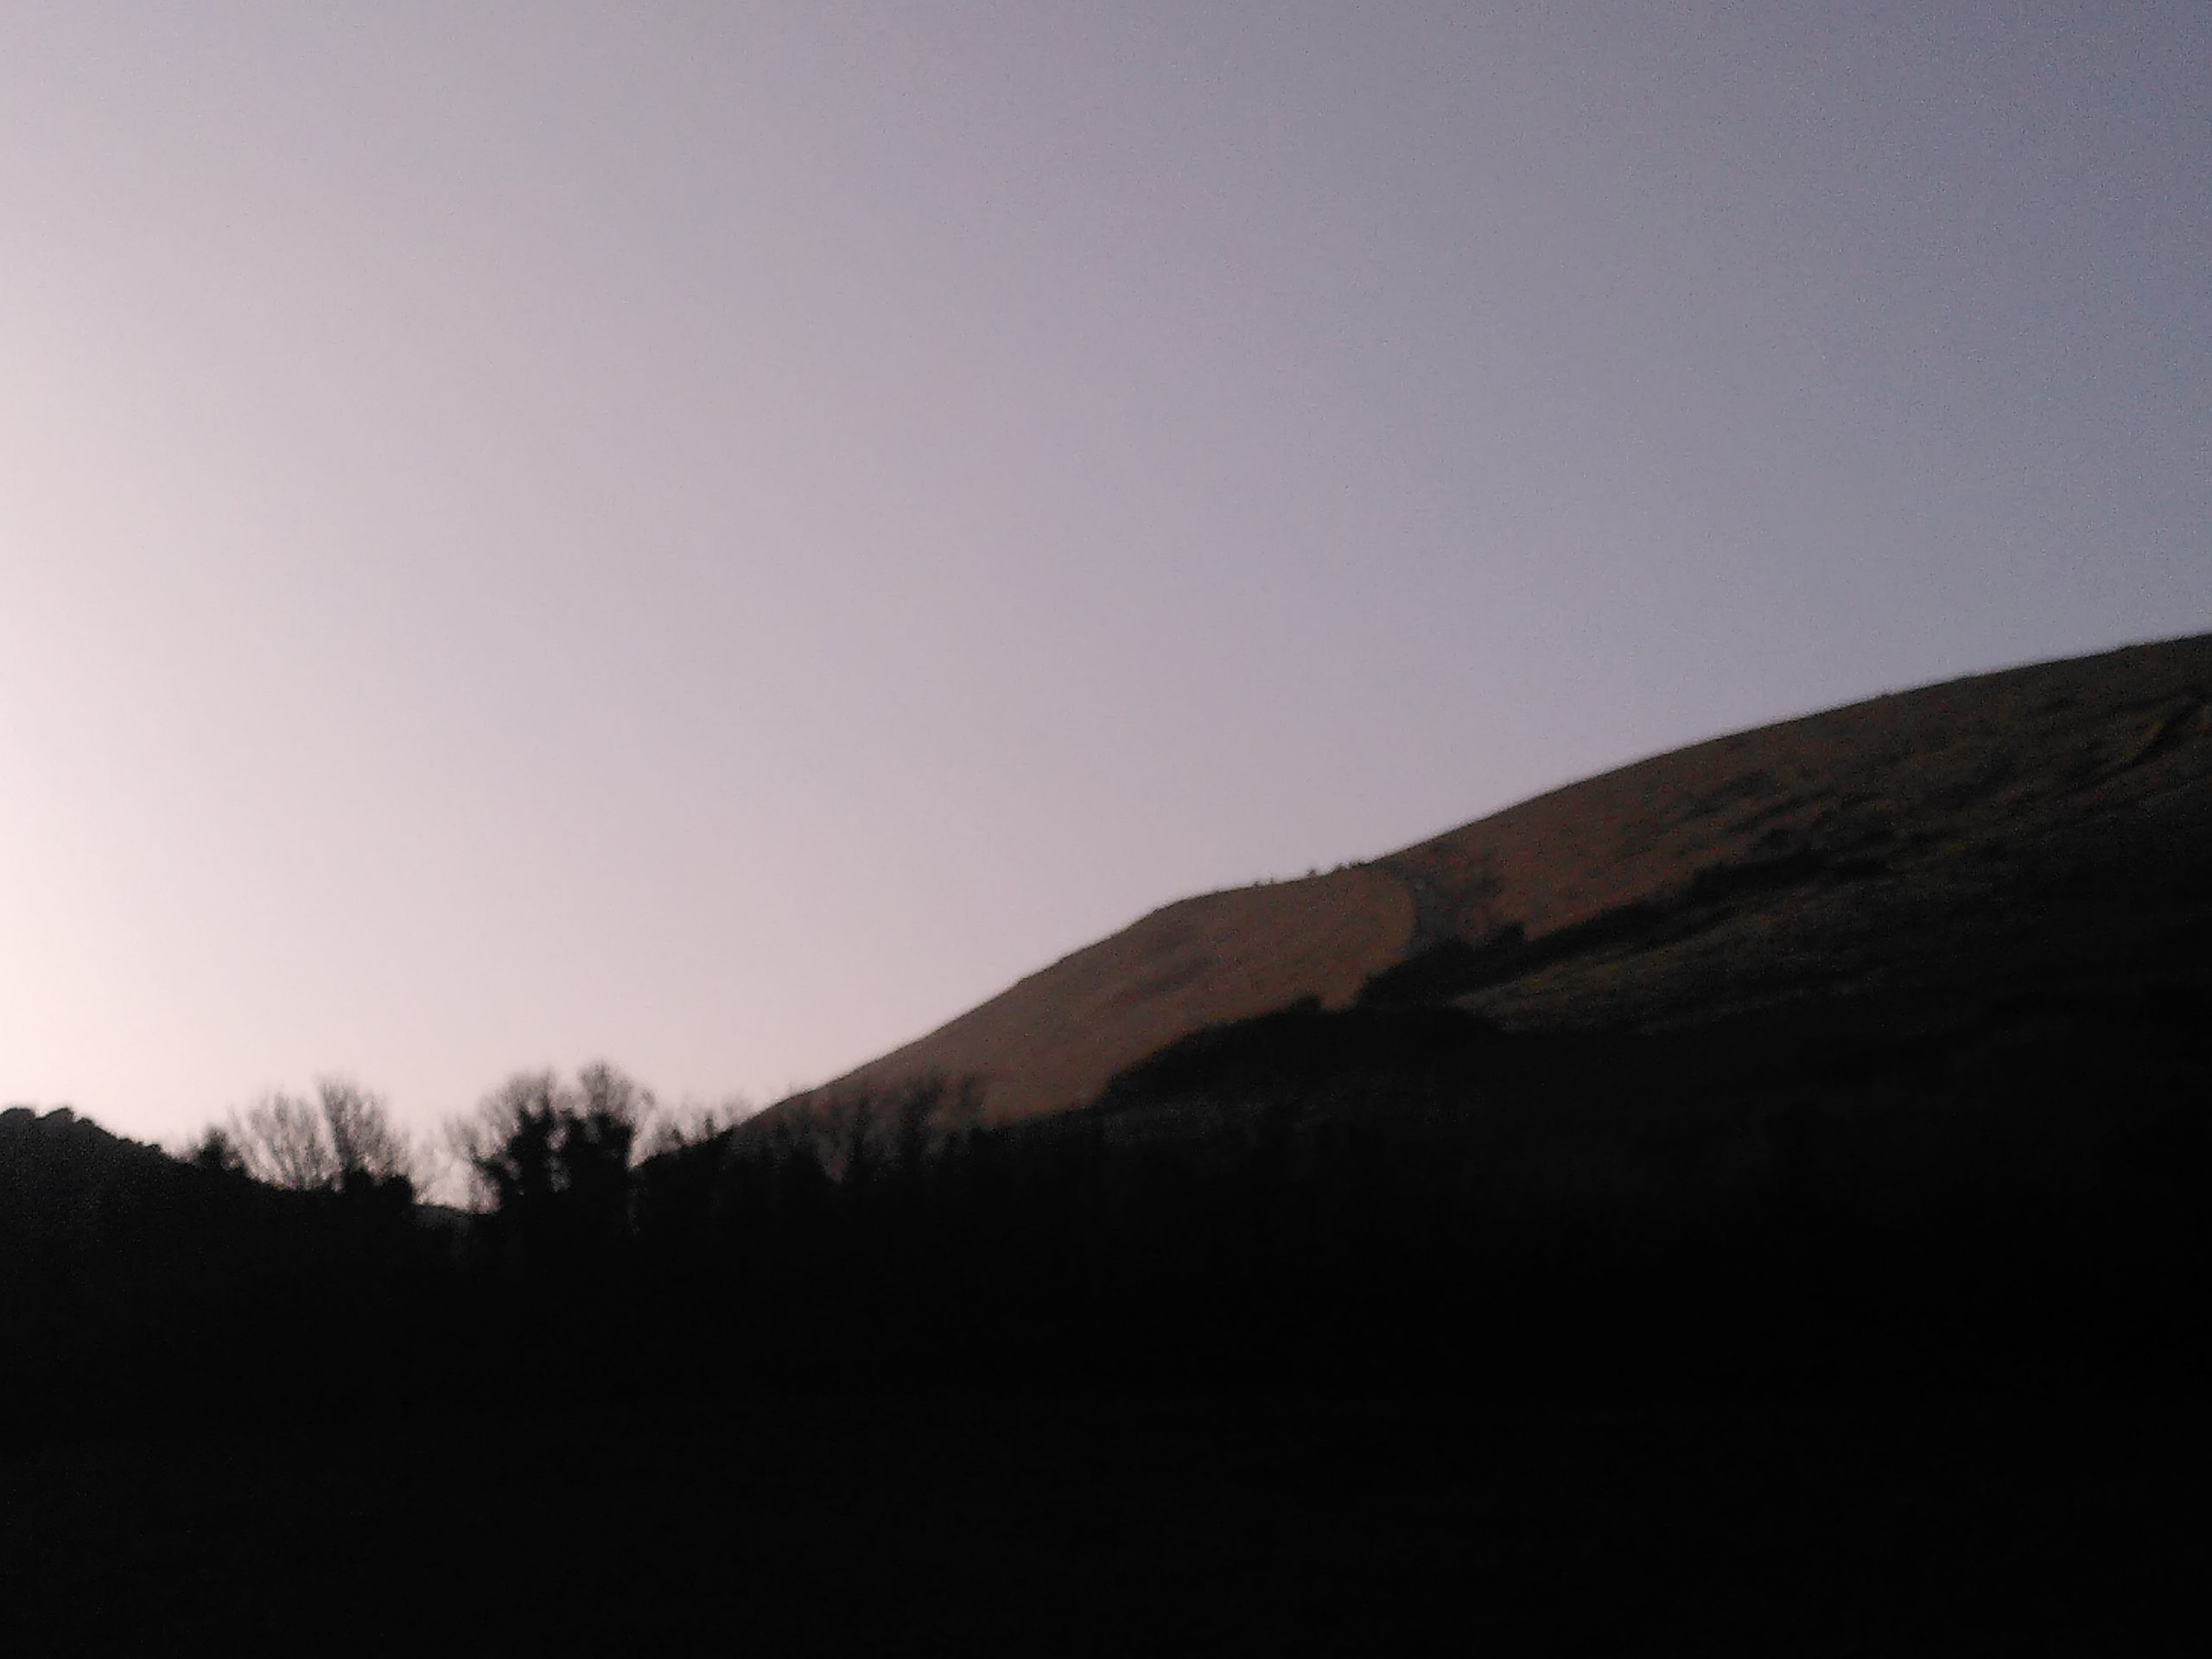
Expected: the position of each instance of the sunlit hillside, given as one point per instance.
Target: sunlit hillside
(1969, 839)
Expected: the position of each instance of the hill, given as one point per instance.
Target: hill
(1764, 1184)
(1899, 863)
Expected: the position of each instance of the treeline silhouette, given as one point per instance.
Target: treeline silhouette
(1386, 1198)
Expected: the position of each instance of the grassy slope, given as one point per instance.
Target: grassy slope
(1899, 843)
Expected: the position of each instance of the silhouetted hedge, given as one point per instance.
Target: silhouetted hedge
(1373, 1200)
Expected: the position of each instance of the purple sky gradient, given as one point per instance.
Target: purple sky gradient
(718, 537)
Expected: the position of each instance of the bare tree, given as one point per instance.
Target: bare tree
(282, 1142)
(344, 1135)
(363, 1141)
(860, 1131)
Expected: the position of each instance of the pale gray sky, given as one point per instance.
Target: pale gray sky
(721, 535)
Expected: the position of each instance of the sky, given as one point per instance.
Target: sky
(718, 537)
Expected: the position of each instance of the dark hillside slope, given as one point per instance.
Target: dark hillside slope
(136, 1290)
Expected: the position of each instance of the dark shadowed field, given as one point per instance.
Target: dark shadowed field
(1993, 1521)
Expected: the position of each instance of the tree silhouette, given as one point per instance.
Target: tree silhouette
(342, 1140)
(554, 1163)
(216, 1152)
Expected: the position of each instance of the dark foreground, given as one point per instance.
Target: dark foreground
(1989, 1521)
(1334, 1332)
